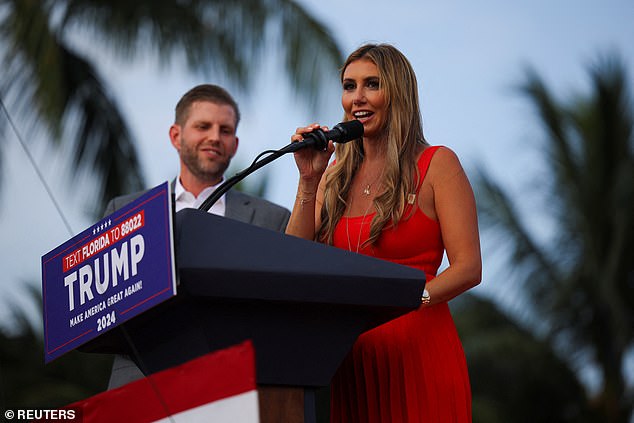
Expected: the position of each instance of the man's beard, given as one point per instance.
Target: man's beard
(204, 170)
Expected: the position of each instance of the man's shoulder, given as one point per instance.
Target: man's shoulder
(256, 211)
(117, 202)
(256, 202)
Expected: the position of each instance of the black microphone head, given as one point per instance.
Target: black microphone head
(346, 131)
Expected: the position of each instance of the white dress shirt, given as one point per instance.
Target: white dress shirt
(185, 199)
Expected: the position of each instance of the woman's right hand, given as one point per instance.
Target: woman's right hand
(311, 163)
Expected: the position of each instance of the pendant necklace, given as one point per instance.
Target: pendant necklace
(366, 190)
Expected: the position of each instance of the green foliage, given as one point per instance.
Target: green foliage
(27, 383)
(514, 376)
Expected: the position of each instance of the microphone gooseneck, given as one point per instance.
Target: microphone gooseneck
(318, 139)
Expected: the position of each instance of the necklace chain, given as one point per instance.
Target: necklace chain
(366, 191)
(360, 228)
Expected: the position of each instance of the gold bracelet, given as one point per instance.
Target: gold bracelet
(303, 200)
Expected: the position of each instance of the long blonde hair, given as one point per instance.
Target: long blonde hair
(404, 135)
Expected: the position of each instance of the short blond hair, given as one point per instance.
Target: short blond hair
(204, 92)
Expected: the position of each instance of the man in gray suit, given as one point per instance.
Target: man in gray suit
(204, 134)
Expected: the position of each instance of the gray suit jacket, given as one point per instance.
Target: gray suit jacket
(239, 206)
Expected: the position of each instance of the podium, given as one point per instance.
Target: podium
(303, 304)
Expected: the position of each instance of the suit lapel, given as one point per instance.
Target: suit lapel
(173, 189)
(238, 205)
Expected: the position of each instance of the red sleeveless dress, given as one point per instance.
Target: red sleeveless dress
(413, 368)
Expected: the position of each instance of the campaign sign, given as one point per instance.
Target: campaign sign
(109, 273)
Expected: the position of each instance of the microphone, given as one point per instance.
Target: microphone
(341, 133)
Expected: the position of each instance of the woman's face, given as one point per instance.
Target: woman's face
(363, 98)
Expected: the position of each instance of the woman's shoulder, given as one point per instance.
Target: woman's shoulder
(438, 151)
(443, 163)
(441, 154)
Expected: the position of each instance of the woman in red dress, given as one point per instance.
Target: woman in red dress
(392, 196)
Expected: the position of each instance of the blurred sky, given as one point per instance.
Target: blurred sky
(469, 58)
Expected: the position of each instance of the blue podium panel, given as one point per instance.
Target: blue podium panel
(116, 269)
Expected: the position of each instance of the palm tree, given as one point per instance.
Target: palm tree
(49, 79)
(579, 284)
